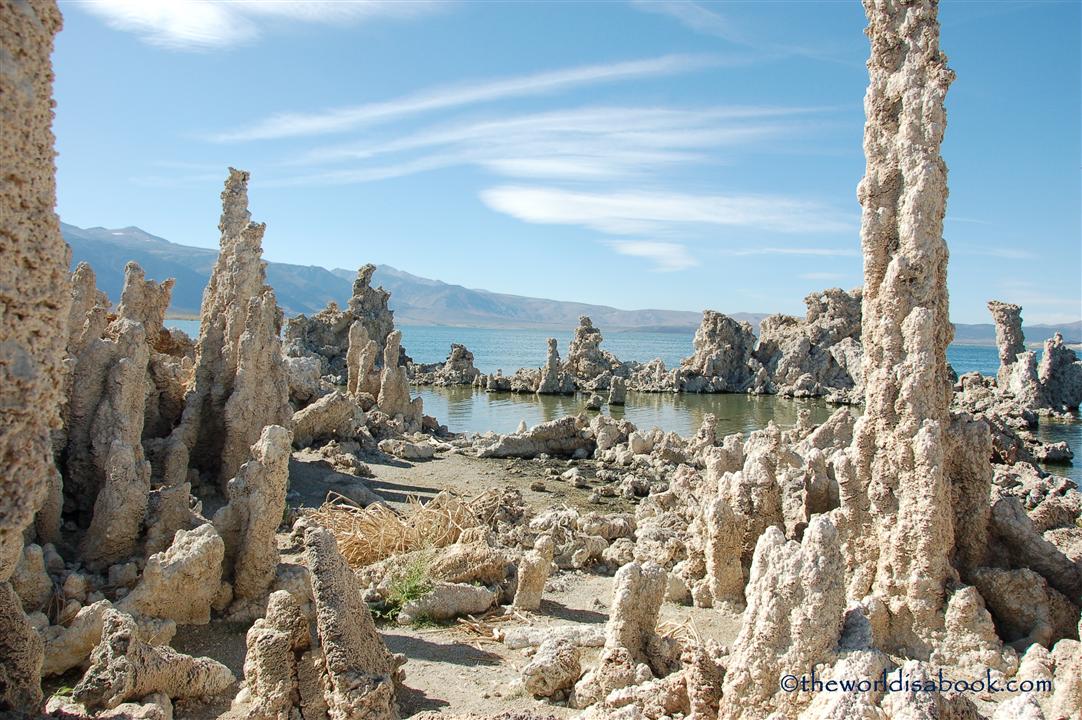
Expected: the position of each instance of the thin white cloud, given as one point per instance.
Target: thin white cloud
(637, 213)
(667, 257)
(583, 144)
(705, 21)
(694, 17)
(285, 125)
(214, 24)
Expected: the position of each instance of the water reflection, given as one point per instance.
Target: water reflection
(465, 409)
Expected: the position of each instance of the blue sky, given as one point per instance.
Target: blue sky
(673, 155)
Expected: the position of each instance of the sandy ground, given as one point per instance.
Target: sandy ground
(450, 669)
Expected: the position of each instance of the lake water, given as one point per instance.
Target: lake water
(464, 409)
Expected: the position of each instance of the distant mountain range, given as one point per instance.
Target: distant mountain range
(415, 300)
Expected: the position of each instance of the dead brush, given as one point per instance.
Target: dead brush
(367, 535)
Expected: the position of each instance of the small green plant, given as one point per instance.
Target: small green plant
(64, 691)
(411, 584)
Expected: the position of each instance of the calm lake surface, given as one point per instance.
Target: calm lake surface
(464, 409)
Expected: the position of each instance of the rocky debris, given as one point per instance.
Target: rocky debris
(240, 383)
(406, 450)
(458, 369)
(554, 380)
(181, 583)
(394, 390)
(533, 573)
(554, 668)
(594, 402)
(796, 599)
(445, 601)
(818, 355)
(617, 391)
(247, 524)
(124, 667)
(517, 638)
(565, 437)
(361, 674)
(335, 415)
(591, 367)
(69, 647)
(723, 349)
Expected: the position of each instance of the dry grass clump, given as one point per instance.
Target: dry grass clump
(367, 535)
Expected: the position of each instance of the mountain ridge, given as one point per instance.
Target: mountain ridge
(415, 300)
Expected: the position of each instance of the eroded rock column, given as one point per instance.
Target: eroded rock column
(899, 444)
(33, 311)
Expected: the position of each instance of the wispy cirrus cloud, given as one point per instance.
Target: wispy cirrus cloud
(639, 212)
(705, 21)
(288, 125)
(666, 256)
(200, 25)
(582, 144)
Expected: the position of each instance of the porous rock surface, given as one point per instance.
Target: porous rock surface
(362, 675)
(33, 309)
(240, 382)
(247, 524)
(124, 667)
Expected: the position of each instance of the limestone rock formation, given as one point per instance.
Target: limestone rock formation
(326, 334)
(124, 667)
(630, 655)
(333, 415)
(257, 501)
(533, 572)
(71, 646)
(181, 583)
(394, 389)
(457, 369)
(1009, 339)
(276, 645)
(361, 355)
(900, 526)
(1060, 372)
(796, 598)
(554, 667)
(591, 367)
(115, 450)
(820, 354)
(566, 437)
(362, 676)
(238, 354)
(33, 309)
(617, 391)
(722, 352)
(554, 380)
